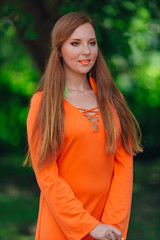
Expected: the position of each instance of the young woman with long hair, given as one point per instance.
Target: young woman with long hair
(82, 138)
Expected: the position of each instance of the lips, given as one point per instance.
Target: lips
(85, 61)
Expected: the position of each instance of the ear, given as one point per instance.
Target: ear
(59, 53)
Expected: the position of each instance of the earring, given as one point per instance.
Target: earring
(66, 91)
(90, 73)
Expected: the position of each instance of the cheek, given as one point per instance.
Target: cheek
(95, 53)
(70, 59)
(74, 54)
(70, 54)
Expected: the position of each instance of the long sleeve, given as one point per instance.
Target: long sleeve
(118, 204)
(68, 210)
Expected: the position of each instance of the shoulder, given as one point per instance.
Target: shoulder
(35, 104)
(36, 99)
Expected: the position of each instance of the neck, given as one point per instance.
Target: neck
(77, 82)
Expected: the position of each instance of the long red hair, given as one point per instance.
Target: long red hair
(49, 124)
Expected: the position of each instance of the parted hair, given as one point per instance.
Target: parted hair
(48, 130)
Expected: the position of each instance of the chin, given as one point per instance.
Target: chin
(84, 71)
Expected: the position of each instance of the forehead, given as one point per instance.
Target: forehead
(83, 31)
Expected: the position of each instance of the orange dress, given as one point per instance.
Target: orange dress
(85, 186)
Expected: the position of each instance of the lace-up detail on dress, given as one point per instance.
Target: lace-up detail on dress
(92, 115)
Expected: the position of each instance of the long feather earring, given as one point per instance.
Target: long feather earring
(66, 91)
(90, 73)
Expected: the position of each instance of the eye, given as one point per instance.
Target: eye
(75, 44)
(92, 43)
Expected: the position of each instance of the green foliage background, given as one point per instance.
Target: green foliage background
(129, 37)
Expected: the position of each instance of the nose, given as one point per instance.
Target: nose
(85, 50)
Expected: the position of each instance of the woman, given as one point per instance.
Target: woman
(82, 138)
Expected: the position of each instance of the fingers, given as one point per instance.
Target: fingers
(117, 234)
(118, 237)
(113, 233)
(106, 232)
(112, 236)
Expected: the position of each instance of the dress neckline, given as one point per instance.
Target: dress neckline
(87, 109)
(84, 113)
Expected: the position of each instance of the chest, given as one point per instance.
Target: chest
(85, 104)
(80, 120)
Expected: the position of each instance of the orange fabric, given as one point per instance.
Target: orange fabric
(85, 186)
(92, 115)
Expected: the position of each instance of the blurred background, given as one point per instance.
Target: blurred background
(129, 37)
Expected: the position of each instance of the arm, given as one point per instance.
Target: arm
(118, 204)
(73, 219)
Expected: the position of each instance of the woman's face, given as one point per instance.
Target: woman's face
(79, 51)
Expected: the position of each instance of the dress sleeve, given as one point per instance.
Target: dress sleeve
(118, 205)
(69, 212)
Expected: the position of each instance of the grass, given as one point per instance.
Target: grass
(19, 199)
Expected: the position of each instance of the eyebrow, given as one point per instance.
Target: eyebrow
(78, 39)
